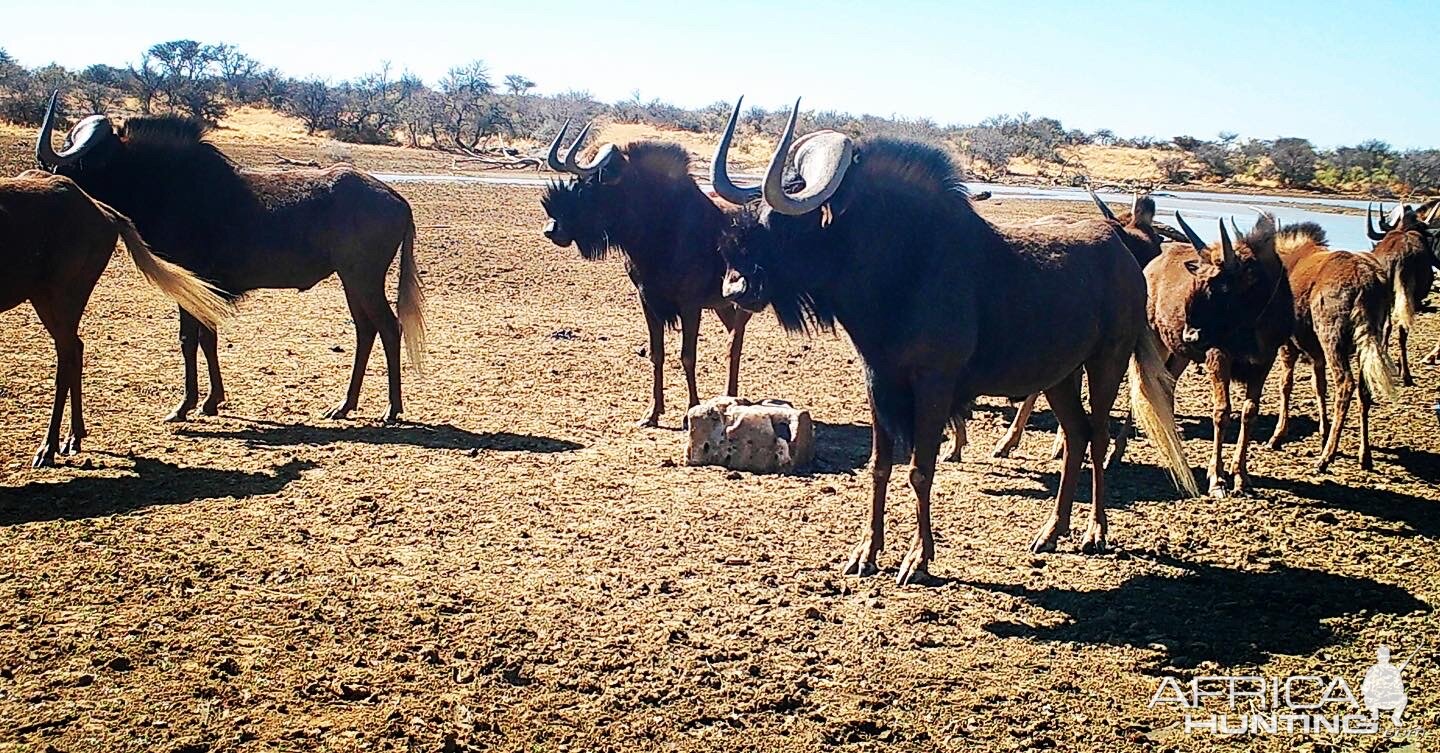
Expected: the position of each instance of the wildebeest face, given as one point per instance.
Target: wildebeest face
(583, 212)
(748, 247)
(1208, 307)
(88, 146)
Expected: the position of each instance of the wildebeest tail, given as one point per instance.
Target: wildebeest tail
(1403, 311)
(1368, 323)
(203, 300)
(1152, 398)
(411, 303)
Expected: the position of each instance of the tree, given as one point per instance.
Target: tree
(314, 103)
(182, 75)
(1419, 170)
(1294, 160)
(517, 85)
(100, 87)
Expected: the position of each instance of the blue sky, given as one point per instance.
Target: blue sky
(1334, 72)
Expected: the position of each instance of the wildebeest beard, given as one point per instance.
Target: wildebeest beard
(779, 259)
(576, 209)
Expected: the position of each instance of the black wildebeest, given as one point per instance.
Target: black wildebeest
(1342, 304)
(1405, 247)
(942, 306)
(1137, 230)
(244, 229)
(55, 241)
(640, 200)
(1233, 311)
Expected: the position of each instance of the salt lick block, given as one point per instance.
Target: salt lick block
(771, 436)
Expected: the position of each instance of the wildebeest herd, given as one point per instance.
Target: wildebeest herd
(878, 236)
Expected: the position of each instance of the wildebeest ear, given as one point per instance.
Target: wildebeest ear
(1193, 266)
(613, 171)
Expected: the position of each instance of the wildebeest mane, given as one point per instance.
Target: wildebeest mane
(1303, 231)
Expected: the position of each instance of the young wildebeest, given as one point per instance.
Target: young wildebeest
(942, 307)
(1342, 303)
(1234, 313)
(1406, 249)
(640, 199)
(54, 243)
(245, 229)
(1136, 229)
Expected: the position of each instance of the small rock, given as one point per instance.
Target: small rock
(84, 681)
(121, 664)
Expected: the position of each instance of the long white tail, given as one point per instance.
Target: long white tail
(1367, 328)
(1152, 401)
(1403, 312)
(411, 303)
(203, 300)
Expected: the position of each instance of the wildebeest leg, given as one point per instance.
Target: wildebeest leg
(957, 425)
(1105, 376)
(77, 411)
(1064, 399)
(364, 341)
(1012, 437)
(1366, 400)
(1288, 354)
(209, 344)
(64, 331)
(1249, 413)
(933, 396)
(1344, 388)
(689, 337)
(1322, 396)
(189, 347)
(657, 362)
(882, 458)
(389, 329)
(1406, 378)
(1176, 366)
(1218, 366)
(734, 319)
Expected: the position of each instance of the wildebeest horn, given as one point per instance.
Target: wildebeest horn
(1226, 248)
(552, 159)
(1236, 228)
(821, 158)
(1385, 223)
(720, 176)
(1430, 216)
(1109, 215)
(1189, 233)
(45, 150)
(1268, 222)
(1370, 230)
(602, 158)
(1134, 205)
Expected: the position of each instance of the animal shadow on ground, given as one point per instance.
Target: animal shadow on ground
(153, 482)
(430, 437)
(1123, 484)
(1422, 515)
(1203, 428)
(1418, 463)
(841, 448)
(1231, 617)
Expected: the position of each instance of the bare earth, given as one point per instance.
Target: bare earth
(522, 569)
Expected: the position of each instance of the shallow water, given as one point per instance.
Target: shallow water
(1201, 209)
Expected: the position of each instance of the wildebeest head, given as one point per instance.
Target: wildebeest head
(1405, 223)
(583, 210)
(1230, 289)
(767, 246)
(1136, 228)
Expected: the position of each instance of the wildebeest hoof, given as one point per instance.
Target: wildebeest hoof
(915, 569)
(44, 457)
(179, 415)
(391, 416)
(1048, 538)
(649, 422)
(211, 409)
(339, 412)
(862, 560)
(1367, 463)
(1217, 489)
(1322, 465)
(954, 456)
(1002, 450)
(71, 446)
(1094, 541)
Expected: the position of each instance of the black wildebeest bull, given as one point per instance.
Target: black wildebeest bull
(1405, 247)
(54, 243)
(245, 229)
(1342, 304)
(640, 199)
(942, 307)
(1234, 313)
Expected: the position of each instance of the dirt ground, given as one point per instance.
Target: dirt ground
(521, 568)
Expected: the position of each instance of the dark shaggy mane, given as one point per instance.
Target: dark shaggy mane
(1305, 231)
(658, 159)
(165, 131)
(896, 163)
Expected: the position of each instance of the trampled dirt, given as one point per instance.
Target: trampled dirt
(521, 568)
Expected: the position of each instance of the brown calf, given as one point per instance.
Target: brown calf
(1343, 302)
(54, 243)
(1405, 248)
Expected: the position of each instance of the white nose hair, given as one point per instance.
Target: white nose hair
(733, 287)
(1191, 335)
